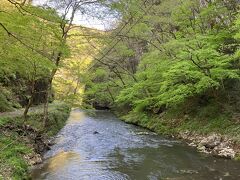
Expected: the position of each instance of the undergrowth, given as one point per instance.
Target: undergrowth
(203, 121)
(13, 147)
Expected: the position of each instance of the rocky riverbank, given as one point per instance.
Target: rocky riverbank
(225, 143)
(214, 144)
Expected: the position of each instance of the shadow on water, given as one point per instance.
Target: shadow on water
(101, 147)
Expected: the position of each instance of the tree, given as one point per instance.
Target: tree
(30, 37)
(187, 51)
(69, 8)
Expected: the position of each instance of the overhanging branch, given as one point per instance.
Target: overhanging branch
(10, 34)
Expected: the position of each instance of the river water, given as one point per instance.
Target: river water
(101, 147)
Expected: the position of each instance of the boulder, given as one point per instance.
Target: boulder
(227, 153)
(211, 141)
(202, 149)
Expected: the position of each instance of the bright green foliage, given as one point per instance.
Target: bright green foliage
(70, 79)
(35, 40)
(16, 161)
(30, 38)
(237, 36)
(7, 102)
(183, 51)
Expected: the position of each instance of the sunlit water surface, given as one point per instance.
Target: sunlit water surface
(101, 147)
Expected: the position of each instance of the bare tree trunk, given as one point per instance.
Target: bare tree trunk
(28, 107)
(45, 109)
(76, 88)
(48, 92)
(65, 30)
(30, 101)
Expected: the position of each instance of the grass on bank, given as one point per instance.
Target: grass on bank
(14, 147)
(165, 125)
(203, 121)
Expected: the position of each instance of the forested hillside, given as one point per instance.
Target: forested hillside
(30, 39)
(36, 44)
(69, 83)
(33, 47)
(172, 65)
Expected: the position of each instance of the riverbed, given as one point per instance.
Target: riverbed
(99, 146)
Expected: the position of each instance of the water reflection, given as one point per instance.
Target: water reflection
(172, 163)
(55, 164)
(120, 151)
(76, 116)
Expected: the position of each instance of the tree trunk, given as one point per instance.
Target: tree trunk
(57, 59)
(45, 109)
(30, 101)
(48, 92)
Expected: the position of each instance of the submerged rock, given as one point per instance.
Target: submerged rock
(188, 171)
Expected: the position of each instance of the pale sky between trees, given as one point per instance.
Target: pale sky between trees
(105, 23)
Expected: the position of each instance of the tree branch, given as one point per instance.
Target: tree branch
(23, 43)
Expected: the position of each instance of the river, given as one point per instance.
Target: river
(101, 147)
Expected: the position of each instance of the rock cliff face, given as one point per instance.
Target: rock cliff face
(214, 144)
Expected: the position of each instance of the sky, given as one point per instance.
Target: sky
(105, 23)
